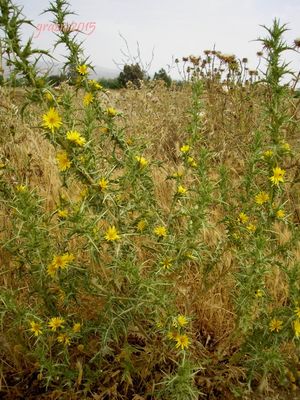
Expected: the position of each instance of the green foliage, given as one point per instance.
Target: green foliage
(180, 386)
(277, 69)
(112, 83)
(131, 73)
(163, 76)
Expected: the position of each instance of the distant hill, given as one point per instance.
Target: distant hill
(99, 71)
(56, 69)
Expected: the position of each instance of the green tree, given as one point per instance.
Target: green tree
(110, 83)
(163, 76)
(131, 73)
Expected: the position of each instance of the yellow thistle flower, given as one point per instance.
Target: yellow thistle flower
(21, 188)
(88, 98)
(63, 260)
(296, 326)
(94, 84)
(52, 120)
(63, 338)
(182, 342)
(192, 162)
(259, 293)
(111, 112)
(141, 225)
(181, 320)
(275, 325)
(185, 148)
(59, 262)
(52, 270)
(55, 323)
(82, 69)
(112, 234)
(178, 174)
(261, 198)
(243, 218)
(297, 311)
(63, 213)
(103, 184)
(251, 227)
(76, 327)
(280, 214)
(36, 328)
(68, 257)
(285, 146)
(167, 263)
(278, 176)
(75, 137)
(172, 335)
(160, 231)
(63, 161)
(141, 161)
(268, 154)
(181, 189)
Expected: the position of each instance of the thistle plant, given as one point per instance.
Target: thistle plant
(60, 9)
(277, 69)
(265, 180)
(22, 57)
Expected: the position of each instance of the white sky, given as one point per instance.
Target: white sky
(174, 28)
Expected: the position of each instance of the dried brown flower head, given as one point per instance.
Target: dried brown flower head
(297, 42)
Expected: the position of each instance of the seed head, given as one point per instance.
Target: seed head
(297, 42)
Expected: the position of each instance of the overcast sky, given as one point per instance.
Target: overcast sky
(174, 28)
